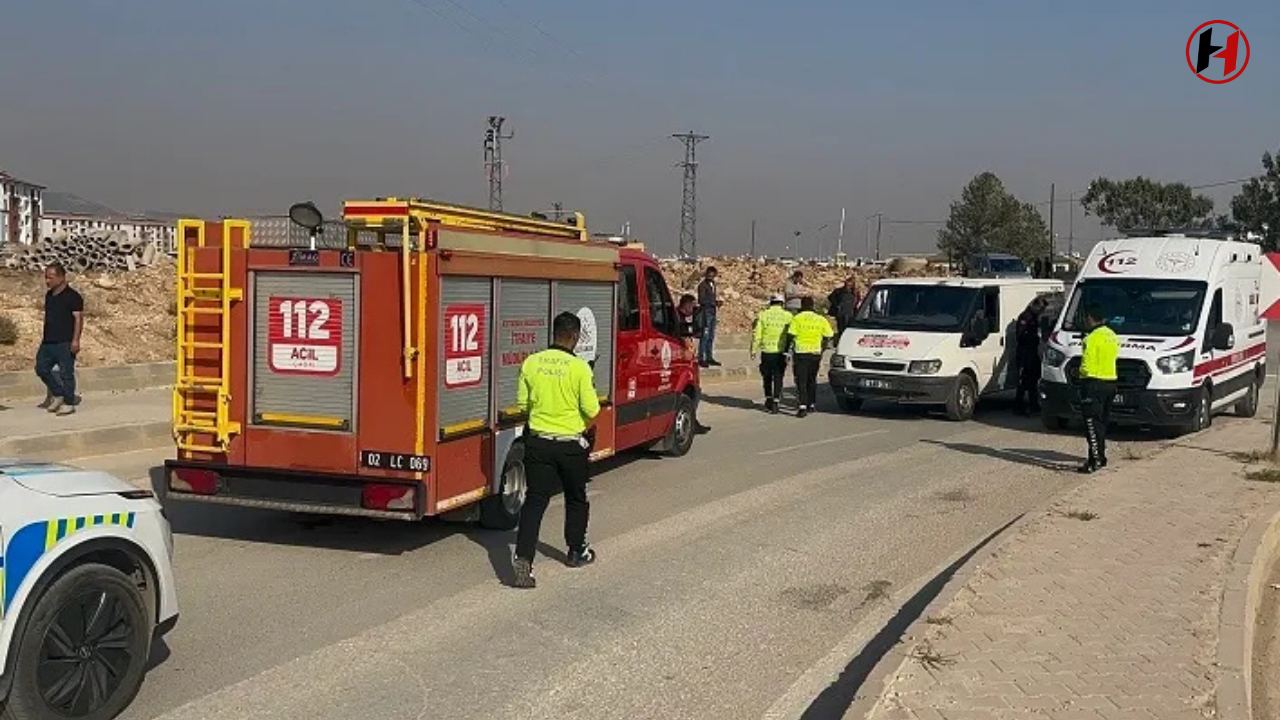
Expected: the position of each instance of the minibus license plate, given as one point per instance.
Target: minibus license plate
(875, 383)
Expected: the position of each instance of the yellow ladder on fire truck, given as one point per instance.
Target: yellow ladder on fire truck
(204, 293)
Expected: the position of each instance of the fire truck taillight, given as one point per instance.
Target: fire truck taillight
(387, 497)
(193, 480)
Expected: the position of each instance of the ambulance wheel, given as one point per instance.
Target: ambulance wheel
(680, 436)
(848, 404)
(1204, 410)
(501, 511)
(964, 398)
(85, 650)
(1247, 406)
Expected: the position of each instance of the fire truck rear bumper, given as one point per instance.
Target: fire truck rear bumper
(294, 491)
(1153, 408)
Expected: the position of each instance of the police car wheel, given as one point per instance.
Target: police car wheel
(680, 437)
(501, 511)
(84, 651)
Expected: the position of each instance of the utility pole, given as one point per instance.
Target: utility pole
(689, 203)
(1071, 226)
(840, 240)
(753, 239)
(879, 222)
(493, 163)
(557, 211)
(1048, 269)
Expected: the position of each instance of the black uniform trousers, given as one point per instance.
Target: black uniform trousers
(1028, 378)
(553, 466)
(773, 370)
(1096, 397)
(807, 378)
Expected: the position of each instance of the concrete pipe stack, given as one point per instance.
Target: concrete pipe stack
(98, 250)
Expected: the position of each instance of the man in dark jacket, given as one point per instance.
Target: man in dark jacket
(691, 330)
(842, 304)
(708, 304)
(1027, 356)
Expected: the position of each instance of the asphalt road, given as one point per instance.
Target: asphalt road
(733, 583)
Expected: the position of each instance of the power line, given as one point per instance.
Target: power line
(689, 202)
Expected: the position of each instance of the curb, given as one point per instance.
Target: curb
(713, 376)
(88, 442)
(1251, 564)
(139, 376)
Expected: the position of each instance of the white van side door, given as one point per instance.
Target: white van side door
(989, 356)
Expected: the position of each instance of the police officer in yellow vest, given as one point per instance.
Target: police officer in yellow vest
(809, 334)
(769, 340)
(557, 392)
(1097, 385)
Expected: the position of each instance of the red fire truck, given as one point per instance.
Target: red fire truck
(377, 376)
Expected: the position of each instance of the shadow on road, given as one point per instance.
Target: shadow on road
(833, 702)
(1048, 459)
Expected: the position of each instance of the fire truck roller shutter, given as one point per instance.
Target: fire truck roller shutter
(524, 322)
(593, 303)
(304, 360)
(466, 350)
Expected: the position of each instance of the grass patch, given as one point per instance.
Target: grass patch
(939, 620)
(8, 331)
(1083, 515)
(1252, 457)
(1267, 475)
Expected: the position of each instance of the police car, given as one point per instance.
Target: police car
(86, 584)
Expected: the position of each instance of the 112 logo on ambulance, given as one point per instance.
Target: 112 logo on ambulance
(304, 336)
(464, 330)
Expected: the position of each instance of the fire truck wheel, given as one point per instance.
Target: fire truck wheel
(501, 511)
(680, 436)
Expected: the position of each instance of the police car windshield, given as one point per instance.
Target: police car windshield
(930, 308)
(1162, 308)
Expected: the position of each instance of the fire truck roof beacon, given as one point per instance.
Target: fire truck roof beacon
(308, 216)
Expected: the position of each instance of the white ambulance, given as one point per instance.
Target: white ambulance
(934, 341)
(1186, 308)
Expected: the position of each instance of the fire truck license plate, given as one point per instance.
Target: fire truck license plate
(395, 461)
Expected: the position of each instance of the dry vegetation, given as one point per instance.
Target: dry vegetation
(128, 315)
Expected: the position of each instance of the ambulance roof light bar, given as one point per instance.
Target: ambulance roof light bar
(1190, 232)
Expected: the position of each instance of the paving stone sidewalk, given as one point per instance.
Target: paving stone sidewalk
(1101, 617)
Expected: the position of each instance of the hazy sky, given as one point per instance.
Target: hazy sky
(248, 105)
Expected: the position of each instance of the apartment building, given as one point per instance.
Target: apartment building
(20, 209)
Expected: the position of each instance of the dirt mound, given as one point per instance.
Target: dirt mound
(129, 316)
(746, 284)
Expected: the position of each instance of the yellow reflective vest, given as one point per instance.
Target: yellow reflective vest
(770, 329)
(809, 330)
(557, 391)
(1101, 349)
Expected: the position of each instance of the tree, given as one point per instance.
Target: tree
(1257, 208)
(987, 218)
(1144, 203)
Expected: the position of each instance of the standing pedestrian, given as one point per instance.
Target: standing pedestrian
(768, 338)
(1097, 385)
(557, 392)
(1027, 357)
(842, 304)
(794, 290)
(809, 334)
(708, 304)
(63, 323)
(690, 331)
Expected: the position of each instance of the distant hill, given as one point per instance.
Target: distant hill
(64, 202)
